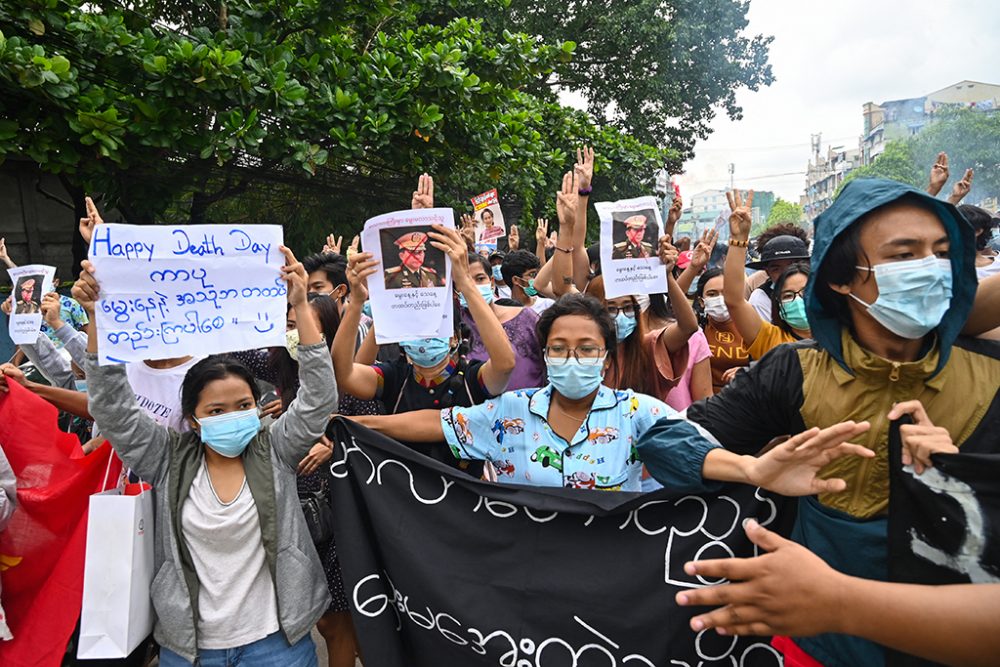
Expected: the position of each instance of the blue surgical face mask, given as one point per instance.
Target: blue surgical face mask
(497, 274)
(367, 308)
(624, 326)
(572, 379)
(81, 385)
(913, 295)
(485, 290)
(794, 313)
(229, 434)
(427, 352)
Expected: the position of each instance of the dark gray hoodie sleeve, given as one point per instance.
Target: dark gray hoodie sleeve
(46, 358)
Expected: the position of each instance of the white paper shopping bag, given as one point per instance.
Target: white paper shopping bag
(118, 570)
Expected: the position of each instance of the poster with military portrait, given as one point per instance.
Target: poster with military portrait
(411, 296)
(630, 233)
(30, 284)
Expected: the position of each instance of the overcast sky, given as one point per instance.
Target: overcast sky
(829, 58)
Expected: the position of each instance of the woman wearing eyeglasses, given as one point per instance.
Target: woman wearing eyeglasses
(788, 306)
(577, 432)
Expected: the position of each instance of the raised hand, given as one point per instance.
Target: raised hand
(541, 230)
(961, 188)
(790, 469)
(294, 275)
(552, 240)
(674, 214)
(4, 257)
(702, 251)
(353, 248)
(584, 167)
(741, 218)
(11, 372)
(51, 310)
(566, 200)
(333, 243)
(359, 267)
(86, 291)
(7, 306)
(939, 174)
(450, 242)
(92, 220)
(921, 438)
(668, 253)
(423, 196)
(513, 237)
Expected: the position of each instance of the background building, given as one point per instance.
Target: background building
(824, 174)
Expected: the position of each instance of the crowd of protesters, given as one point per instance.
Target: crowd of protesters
(780, 366)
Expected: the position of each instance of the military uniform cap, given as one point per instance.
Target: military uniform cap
(412, 241)
(635, 222)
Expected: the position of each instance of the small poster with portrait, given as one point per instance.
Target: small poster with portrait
(490, 226)
(31, 283)
(411, 297)
(630, 236)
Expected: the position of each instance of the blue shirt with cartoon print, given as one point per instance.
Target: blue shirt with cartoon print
(513, 434)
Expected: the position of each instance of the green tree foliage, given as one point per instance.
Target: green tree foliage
(895, 162)
(784, 211)
(318, 114)
(971, 139)
(656, 69)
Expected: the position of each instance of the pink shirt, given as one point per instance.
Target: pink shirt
(679, 398)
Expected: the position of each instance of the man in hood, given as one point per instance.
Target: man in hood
(893, 282)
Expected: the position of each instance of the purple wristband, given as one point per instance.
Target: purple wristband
(584, 192)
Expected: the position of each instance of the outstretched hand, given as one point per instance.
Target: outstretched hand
(703, 249)
(791, 468)
(584, 167)
(787, 591)
(566, 200)
(333, 243)
(674, 214)
(961, 188)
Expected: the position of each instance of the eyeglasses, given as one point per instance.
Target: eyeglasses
(588, 355)
(788, 297)
(628, 310)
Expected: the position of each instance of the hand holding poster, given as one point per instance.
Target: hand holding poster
(198, 289)
(412, 297)
(489, 220)
(630, 234)
(30, 284)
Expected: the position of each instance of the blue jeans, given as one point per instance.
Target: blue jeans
(271, 651)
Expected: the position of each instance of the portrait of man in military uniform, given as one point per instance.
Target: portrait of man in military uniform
(28, 296)
(630, 236)
(412, 249)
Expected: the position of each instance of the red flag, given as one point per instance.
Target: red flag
(41, 551)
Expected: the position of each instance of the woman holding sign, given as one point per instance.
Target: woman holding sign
(235, 567)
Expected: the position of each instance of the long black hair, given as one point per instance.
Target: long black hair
(210, 369)
(286, 369)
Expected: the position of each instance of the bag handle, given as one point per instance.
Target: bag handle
(107, 471)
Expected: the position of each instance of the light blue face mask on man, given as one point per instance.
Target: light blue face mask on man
(229, 434)
(497, 273)
(913, 296)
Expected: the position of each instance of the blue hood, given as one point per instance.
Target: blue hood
(858, 198)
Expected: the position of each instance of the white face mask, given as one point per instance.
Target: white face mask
(643, 301)
(715, 308)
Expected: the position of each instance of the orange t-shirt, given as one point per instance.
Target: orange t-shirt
(727, 349)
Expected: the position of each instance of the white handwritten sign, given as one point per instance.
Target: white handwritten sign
(193, 290)
(30, 282)
(630, 233)
(412, 297)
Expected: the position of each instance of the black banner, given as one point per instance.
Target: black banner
(944, 525)
(442, 569)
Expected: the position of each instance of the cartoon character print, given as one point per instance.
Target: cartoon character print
(464, 432)
(602, 436)
(548, 457)
(580, 480)
(505, 467)
(513, 426)
(498, 431)
(633, 406)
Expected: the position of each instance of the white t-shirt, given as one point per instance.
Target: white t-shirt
(541, 303)
(158, 392)
(503, 292)
(761, 302)
(237, 604)
(988, 270)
